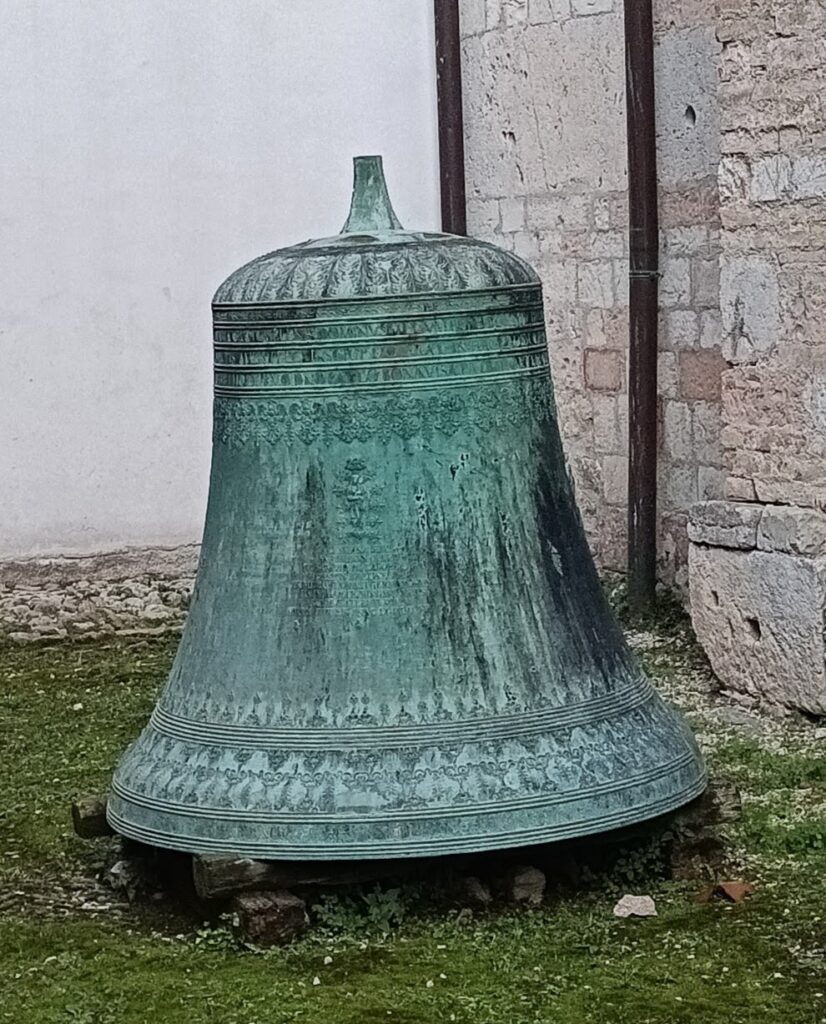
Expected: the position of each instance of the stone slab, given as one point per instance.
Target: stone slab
(760, 618)
(270, 918)
(752, 526)
(794, 530)
(725, 524)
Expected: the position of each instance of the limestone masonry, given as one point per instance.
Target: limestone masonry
(758, 598)
(143, 591)
(742, 167)
(546, 158)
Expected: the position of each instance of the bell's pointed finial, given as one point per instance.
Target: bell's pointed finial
(370, 207)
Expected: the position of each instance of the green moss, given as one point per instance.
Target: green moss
(66, 713)
(572, 963)
(760, 768)
(395, 957)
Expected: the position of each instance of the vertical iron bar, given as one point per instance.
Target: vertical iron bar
(644, 304)
(451, 122)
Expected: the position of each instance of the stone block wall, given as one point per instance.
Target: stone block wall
(758, 560)
(546, 169)
(758, 598)
(773, 288)
(133, 592)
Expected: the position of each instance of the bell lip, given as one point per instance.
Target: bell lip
(453, 846)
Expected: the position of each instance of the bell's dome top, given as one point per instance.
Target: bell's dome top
(374, 256)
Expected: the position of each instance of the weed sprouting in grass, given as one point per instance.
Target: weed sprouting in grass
(374, 911)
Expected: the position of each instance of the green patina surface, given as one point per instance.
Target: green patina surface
(67, 710)
(397, 644)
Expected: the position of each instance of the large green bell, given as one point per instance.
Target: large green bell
(398, 644)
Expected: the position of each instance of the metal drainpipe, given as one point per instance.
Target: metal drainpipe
(644, 304)
(451, 122)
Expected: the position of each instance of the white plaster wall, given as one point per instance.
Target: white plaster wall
(151, 147)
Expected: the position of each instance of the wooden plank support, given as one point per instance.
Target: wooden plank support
(220, 877)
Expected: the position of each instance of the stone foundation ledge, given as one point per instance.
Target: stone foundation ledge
(757, 584)
(135, 591)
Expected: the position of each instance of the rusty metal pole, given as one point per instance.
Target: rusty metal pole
(451, 121)
(644, 304)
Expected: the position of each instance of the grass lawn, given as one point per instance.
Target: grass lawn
(66, 712)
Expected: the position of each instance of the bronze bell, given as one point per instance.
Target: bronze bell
(398, 644)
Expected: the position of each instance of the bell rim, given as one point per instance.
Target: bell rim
(433, 847)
